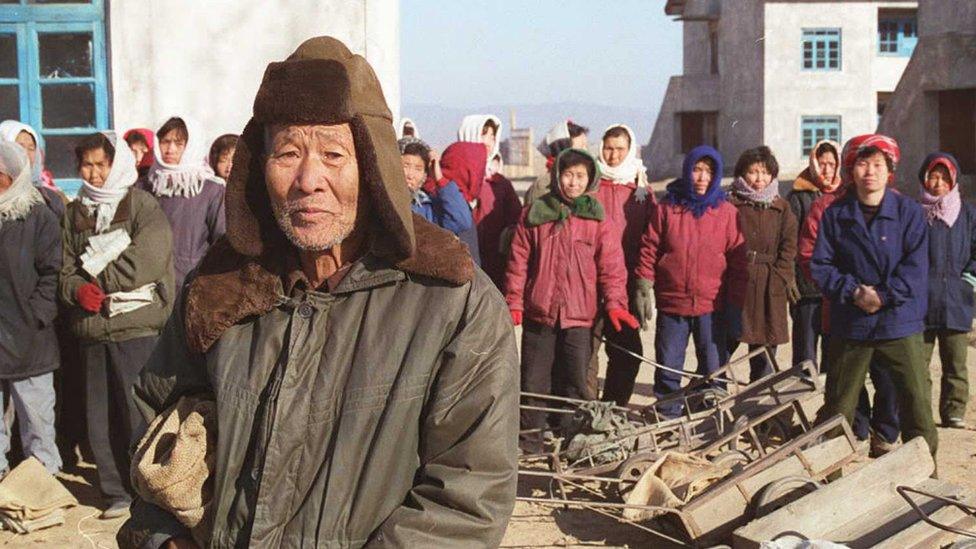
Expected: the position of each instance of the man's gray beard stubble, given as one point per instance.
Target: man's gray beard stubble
(283, 218)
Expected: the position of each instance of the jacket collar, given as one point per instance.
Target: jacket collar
(229, 286)
(851, 210)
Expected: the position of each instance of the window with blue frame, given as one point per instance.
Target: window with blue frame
(897, 32)
(821, 49)
(53, 74)
(814, 129)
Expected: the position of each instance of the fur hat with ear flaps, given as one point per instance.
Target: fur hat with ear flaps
(322, 82)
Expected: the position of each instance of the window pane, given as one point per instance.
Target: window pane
(8, 56)
(65, 55)
(68, 105)
(60, 155)
(9, 103)
(59, 1)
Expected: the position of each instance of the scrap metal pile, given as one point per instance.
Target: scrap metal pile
(737, 454)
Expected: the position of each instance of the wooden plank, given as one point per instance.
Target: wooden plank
(820, 514)
(729, 505)
(922, 534)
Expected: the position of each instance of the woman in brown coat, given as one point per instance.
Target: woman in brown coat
(770, 229)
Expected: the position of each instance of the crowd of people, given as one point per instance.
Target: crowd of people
(588, 258)
(593, 257)
(88, 284)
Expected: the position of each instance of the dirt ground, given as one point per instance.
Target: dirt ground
(531, 525)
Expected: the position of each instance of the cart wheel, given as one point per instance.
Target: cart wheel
(734, 459)
(780, 493)
(631, 470)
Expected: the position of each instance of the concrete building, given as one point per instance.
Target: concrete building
(784, 73)
(934, 106)
(74, 67)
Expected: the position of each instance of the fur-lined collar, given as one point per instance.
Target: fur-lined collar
(229, 286)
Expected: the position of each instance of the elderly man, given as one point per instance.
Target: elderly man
(365, 373)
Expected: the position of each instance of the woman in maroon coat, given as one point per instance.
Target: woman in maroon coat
(564, 260)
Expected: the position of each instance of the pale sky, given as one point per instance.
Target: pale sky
(468, 53)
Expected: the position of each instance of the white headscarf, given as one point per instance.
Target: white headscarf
(631, 169)
(473, 124)
(17, 201)
(403, 124)
(557, 132)
(105, 200)
(9, 130)
(186, 178)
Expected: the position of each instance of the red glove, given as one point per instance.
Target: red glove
(90, 297)
(516, 318)
(620, 315)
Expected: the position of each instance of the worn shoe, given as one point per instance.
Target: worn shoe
(954, 423)
(117, 509)
(880, 446)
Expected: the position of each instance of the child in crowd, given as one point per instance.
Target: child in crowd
(435, 198)
(692, 260)
(221, 157)
(952, 266)
(769, 227)
(564, 260)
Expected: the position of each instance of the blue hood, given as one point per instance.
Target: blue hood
(680, 191)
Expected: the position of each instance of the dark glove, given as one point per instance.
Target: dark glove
(793, 293)
(643, 301)
(90, 297)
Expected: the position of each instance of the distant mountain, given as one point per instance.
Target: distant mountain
(438, 125)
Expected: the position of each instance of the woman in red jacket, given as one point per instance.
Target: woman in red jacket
(563, 258)
(692, 260)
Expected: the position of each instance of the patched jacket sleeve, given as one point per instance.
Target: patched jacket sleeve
(171, 372)
(147, 257)
(464, 489)
(516, 271)
(44, 299)
(909, 278)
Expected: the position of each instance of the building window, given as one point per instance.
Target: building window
(897, 32)
(696, 128)
(53, 75)
(821, 49)
(814, 129)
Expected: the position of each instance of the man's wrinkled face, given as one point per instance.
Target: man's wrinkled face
(313, 181)
(615, 149)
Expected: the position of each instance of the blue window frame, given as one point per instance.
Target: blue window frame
(53, 75)
(821, 50)
(897, 33)
(817, 128)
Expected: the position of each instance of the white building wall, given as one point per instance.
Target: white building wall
(206, 59)
(851, 93)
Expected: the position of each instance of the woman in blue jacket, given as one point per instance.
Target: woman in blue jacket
(952, 266)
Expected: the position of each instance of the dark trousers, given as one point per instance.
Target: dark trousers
(881, 415)
(758, 365)
(622, 367)
(807, 331)
(670, 343)
(111, 370)
(904, 361)
(69, 383)
(554, 362)
(954, 388)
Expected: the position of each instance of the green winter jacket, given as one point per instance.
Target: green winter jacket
(149, 258)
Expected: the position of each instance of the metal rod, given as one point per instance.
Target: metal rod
(599, 506)
(903, 491)
(666, 368)
(575, 476)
